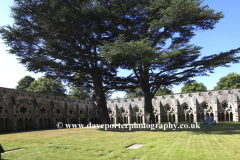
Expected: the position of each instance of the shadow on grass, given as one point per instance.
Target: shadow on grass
(227, 128)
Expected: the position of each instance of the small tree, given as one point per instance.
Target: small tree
(80, 93)
(163, 91)
(133, 93)
(24, 83)
(232, 80)
(48, 86)
(193, 87)
(137, 92)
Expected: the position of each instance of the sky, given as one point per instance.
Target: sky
(224, 37)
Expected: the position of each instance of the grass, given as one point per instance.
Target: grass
(221, 141)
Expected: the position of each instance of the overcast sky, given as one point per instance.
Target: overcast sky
(224, 37)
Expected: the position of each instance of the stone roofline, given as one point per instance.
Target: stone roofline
(174, 94)
(48, 96)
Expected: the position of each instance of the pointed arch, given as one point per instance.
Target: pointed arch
(167, 113)
(24, 114)
(208, 107)
(72, 114)
(59, 114)
(44, 116)
(225, 111)
(185, 112)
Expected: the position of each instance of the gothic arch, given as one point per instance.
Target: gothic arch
(82, 113)
(122, 115)
(225, 112)
(185, 112)
(200, 110)
(44, 116)
(167, 113)
(4, 117)
(59, 114)
(72, 115)
(24, 116)
(136, 115)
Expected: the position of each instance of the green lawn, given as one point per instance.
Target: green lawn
(221, 141)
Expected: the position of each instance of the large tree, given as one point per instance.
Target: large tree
(155, 45)
(193, 87)
(61, 38)
(25, 82)
(232, 80)
(47, 86)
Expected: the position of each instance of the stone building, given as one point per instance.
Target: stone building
(26, 110)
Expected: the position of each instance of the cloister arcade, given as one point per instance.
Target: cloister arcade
(21, 110)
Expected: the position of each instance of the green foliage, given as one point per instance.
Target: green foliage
(80, 93)
(118, 97)
(47, 86)
(232, 80)
(133, 93)
(193, 87)
(24, 83)
(163, 91)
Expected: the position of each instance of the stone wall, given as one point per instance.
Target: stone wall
(26, 110)
(222, 105)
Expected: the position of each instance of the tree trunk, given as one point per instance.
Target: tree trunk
(101, 100)
(149, 116)
(102, 104)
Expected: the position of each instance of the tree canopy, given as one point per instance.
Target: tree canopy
(232, 80)
(47, 86)
(193, 87)
(25, 82)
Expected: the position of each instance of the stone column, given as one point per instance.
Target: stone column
(77, 115)
(34, 123)
(129, 114)
(235, 109)
(205, 113)
(66, 114)
(194, 110)
(176, 117)
(13, 121)
(53, 123)
(236, 114)
(115, 119)
(225, 118)
(194, 117)
(86, 115)
(37, 121)
(176, 111)
(143, 118)
(159, 118)
(185, 117)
